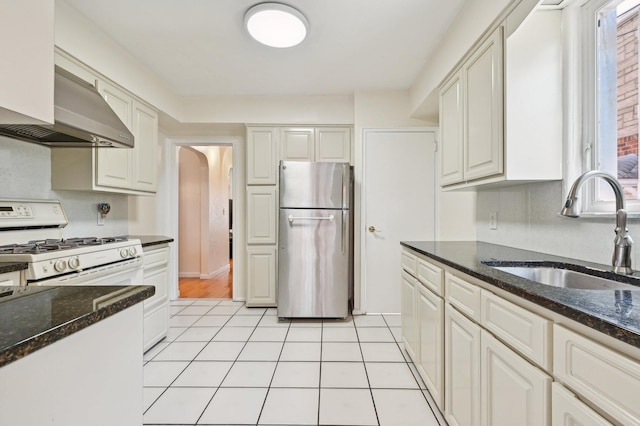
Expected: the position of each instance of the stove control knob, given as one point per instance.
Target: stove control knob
(74, 262)
(60, 265)
(133, 251)
(124, 253)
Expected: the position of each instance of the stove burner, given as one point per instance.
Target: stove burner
(49, 245)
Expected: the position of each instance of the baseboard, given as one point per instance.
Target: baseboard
(223, 270)
(188, 274)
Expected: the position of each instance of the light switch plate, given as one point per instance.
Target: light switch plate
(101, 219)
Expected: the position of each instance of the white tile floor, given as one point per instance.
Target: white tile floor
(225, 364)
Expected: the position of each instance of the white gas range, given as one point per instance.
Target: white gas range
(31, 232)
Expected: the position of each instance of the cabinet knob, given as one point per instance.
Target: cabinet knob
(372, 228)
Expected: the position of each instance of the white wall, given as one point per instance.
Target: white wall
(217, 236)
(528, 218)
(192, 170)
(79, 37)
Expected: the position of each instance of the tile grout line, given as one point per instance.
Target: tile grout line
(373, 401)
(274, 373)
(232, 364)
(320, 369)
(182, 371)
(193, 359)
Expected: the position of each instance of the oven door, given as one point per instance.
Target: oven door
(127, 272)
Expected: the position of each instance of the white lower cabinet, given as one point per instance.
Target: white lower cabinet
(606, 378)
(514, 392)
(489, 361)
(462, 369)
(430, 317)
(156, 308)
(409, 319)
(92, 377)
(262, 267)
(568, 410)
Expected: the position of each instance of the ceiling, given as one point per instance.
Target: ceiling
(200, 48)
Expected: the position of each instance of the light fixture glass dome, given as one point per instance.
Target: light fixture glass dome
(276, 24)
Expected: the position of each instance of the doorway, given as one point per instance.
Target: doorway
(398, 199)
(205, 221)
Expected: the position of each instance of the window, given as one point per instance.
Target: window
(612, 99)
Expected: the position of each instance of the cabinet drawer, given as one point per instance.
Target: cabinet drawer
(156, 257)
(430, 275)
(408, 261)
(609, 380)
(567, 410)
(524, 331)
(464, 296)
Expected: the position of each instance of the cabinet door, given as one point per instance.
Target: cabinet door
(514, 392)
(605, 377)
(261, 276)
(27, 83)
(145, 131)
(261, 215)
(262, 156)
(451, 132)
(409, 319)
(483, 113)
(297, 144)
(156, 312)
(567, 410)
(114, 165)
(430, 311)
(462, 369)
(333, 144)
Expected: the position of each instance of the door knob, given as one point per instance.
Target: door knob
(372, 228)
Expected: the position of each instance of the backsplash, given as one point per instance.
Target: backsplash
(25, 172)
(528, 218)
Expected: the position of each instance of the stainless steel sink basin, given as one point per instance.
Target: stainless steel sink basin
(566, 278)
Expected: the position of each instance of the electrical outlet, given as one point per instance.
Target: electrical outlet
(101, 219)
(493, 220)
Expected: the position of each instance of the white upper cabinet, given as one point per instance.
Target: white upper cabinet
(501, 110)
(482, 75)
(297, 144)
(114, 165)
(452, 160)
(322, 144)
(120, 170)
(144, 156)
(333, 144)
(262, 155)
(26, 87)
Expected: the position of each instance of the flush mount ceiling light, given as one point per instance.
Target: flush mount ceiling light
(276, 24)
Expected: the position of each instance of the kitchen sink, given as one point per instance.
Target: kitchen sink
(566, 278)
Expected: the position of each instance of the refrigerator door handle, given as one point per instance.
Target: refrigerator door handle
(291, 218)
(344, 231)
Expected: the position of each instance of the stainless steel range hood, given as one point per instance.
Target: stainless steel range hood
(82, 119)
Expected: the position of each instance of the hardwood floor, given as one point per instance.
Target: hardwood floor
(219, 286)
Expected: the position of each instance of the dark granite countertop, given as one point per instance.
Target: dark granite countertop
(34, 317)
(594, 308)
(12, 266)
(151, 240)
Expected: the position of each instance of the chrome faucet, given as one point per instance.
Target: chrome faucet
(621, 262)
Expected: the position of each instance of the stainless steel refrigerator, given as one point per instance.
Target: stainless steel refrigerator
(315, 257)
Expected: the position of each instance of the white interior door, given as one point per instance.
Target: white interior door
(398, 204)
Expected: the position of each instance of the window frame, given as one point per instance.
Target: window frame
(590, 146)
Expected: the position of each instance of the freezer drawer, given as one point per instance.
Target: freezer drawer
(313, 263)
(315, 185)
